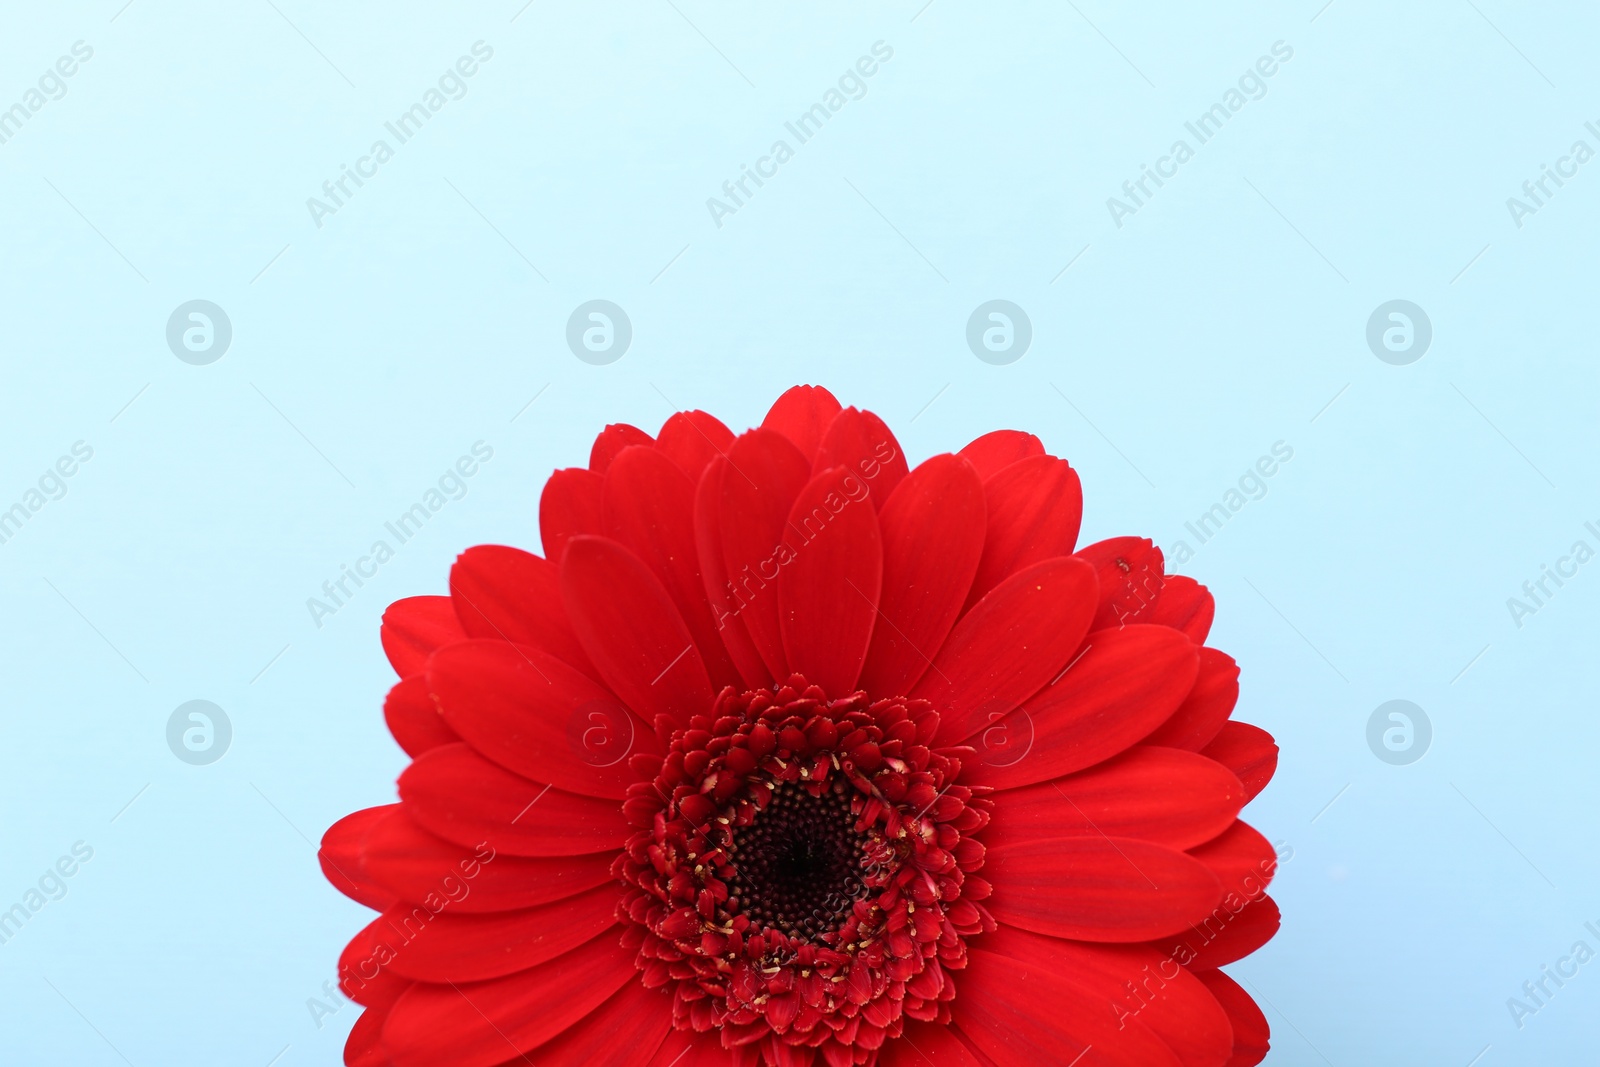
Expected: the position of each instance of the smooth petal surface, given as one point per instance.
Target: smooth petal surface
(1242, 860)
(828, 592)
(535, 715)
(420, 868)
(458, 947)
(1173, 798)
(481, 1024)
(1098, 888)
(726, 605)
(1120, 688)
(1186, 605)
(932, 529)
(1228, 934)
(860, 442)
(999, 449)
(1251, 1034)
(507, 594)
(1034, 508)
(612, 440)
(765, 474)
(1130, 571)
(414, 627)
(462, 797)
(1247, 751)
(648, 504)
(803, 414)
(1009, 645)
(341, 857)
(413, 718)
(569, 506)
(928, 1045)
(1203, 712)
(692, 439)
(626, 621)
(625, 1031)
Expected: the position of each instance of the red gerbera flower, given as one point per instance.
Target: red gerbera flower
(787, 755)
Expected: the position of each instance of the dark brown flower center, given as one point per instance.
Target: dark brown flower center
(799, 866)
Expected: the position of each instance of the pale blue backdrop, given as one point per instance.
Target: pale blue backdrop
(428, 311)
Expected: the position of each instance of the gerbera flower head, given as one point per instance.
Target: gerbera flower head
(786, 754)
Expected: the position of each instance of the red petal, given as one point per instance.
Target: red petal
(413, 719)
(1184, 604)
(999, 449)
(692, 439)
(452, 947)
(1243, 859)
(1009, 645)
(649, 509)
(535, 715)
(364, 1046)
(803, 414)
(631, 630)
(765, 474)
(625, 1031)
(1140, 988)
(1125, 684)
(689, 1049)
(511, 595)
(932, 529)
(928, 1045)
(1162, 795)
(828, 591)
(1226, 935)
(1022, 1014)
(462, 797)
(1034, 509)
(340, 857)
(1098, 888)
(418, 867)
(611, 441)
(1130, 573)
(1251, 1034)
(365, 974)
(1206, 708)
(860, 442)
(568, 507)
(1247, 751)
(480, 1024)
(714, 571)
(414, 627)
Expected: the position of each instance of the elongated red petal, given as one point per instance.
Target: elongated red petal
(1022, 1014)
(861, 443)
(1232, 931)
(692, 439)
(341, 857)
(1034, 509)
(1184, 604)
(1173, 798)
(364, 1046)
(933, 529)
(1203, 712)
(689, 1049)
(1009, 645)
(462, 797)
(420, 868)
(568, 507)
(725, 605)
(1125, 684)
(507, 594)
(625, 1031)
(633, 633)
(413, 718)
(535, 715)
(414, 627)
(765, 474)
(457, 947)
(1130, 571)
(480, 1024)
(828, 591)
(1247, 751)
(803, 414)
(928, 1045)
(612, 440)
(649, 509)
(1098, 888)
(1252, 1037)
(1241, 858)
(998, 449)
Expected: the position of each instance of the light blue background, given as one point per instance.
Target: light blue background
(1226, 315)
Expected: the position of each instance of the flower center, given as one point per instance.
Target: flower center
(798, 866)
